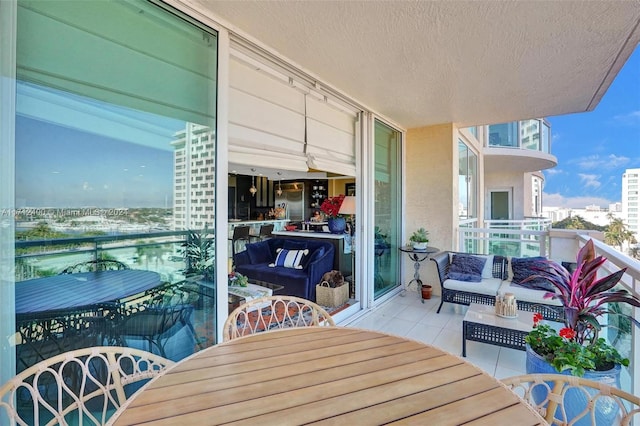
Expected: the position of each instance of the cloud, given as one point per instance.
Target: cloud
(553, 172)
(557, 200)
(631, 118)
(590, 181)
(592, 162)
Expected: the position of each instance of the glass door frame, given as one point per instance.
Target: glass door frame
(368, 241)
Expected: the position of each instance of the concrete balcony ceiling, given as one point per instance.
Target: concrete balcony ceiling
(516, 160)
(428, 62)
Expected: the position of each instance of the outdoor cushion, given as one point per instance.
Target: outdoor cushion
(489, 286)
(527, 294)
(524, 268)
(466, 268)
(487, 271)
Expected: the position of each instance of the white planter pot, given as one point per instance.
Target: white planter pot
(420, 246)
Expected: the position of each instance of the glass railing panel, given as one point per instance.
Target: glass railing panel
(545, 138)
(157, 255)
(504, 135)
(530, 134)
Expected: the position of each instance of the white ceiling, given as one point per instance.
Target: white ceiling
(468, 62)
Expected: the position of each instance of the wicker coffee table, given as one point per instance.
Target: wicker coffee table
(481, 324)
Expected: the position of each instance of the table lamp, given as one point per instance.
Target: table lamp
(349, 207)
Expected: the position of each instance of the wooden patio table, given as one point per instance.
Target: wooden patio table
(328, 375)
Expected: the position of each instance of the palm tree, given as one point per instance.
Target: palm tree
(617, 233)
(576, 222)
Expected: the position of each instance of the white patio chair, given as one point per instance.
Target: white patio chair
(273, 312)
(547, 394)
(84, 386)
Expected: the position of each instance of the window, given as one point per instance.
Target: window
(108, 127)
(467, 182)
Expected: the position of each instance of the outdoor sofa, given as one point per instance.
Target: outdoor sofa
(476, 278)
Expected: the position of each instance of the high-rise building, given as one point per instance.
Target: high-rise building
(193, 174)
(630, 203)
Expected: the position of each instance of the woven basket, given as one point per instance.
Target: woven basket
(331, 296)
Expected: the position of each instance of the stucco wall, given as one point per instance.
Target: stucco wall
(430, 192)
(505, 181)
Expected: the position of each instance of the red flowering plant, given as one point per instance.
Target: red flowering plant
(585, 297)
(331, 206)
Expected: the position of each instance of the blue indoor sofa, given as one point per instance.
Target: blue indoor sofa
(298, 280)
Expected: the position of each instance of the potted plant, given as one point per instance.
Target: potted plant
(576, 349)
(419, 239)
(199, 252)
(237, 279)
(331, 208)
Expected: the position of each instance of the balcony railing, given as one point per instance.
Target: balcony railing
(516, 238)
(531, 135)
(158, 251)
(535, 237)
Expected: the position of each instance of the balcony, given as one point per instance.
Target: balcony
(521, 146)
(402, 315)
(407, 316)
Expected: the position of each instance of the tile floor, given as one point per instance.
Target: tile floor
(407, 316)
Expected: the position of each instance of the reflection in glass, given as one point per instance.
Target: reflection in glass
(115, 160)
(505, 135)
(388, 213)
(467, 182)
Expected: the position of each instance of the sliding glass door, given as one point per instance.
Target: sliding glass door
(115, 118)
(388, 208)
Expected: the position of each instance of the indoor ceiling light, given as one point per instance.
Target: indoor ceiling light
(279, 190)
(253, 188)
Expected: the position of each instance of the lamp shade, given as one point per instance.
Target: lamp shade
(348, 205)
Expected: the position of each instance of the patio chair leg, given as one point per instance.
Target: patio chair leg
(439, 307)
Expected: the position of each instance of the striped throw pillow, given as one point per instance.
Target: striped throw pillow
(289, 258)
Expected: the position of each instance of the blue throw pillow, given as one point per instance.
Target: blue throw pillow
(315, 255)
(259, 253)
(289, 258)
(525, 267)
(295, 245)
(466, 268)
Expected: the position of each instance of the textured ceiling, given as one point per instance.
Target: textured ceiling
(468, 62)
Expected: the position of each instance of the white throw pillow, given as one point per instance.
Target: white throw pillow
(289, 258)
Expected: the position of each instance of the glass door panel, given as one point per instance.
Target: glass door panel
(115, 161)
(388, 212)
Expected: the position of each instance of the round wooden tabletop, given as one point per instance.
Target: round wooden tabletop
(330, 375)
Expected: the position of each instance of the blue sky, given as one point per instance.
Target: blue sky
(595, 148)
(59, 166)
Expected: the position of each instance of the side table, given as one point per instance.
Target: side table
(418, 256)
